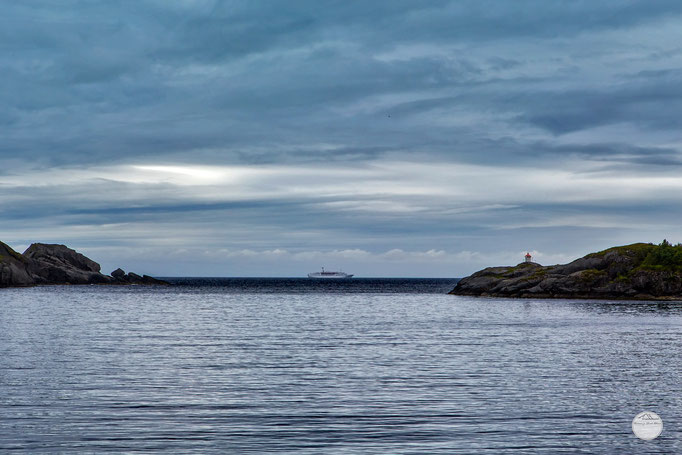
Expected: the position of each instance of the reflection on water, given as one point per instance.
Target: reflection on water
(631, 307)
(286, 366)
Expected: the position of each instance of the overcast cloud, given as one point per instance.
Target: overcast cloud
(397, 138)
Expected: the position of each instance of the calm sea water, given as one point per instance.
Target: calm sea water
(346, 367)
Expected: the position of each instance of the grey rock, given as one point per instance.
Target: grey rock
(134, 277)
(121, 277)
(58, 264)
(61, 255)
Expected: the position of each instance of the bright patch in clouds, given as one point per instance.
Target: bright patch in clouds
(392, 187)
(193, 174)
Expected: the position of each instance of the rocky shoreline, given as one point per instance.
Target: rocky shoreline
(48, 264)
(641, 271)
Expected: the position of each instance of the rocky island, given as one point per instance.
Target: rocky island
(641, 271)
(57, 264)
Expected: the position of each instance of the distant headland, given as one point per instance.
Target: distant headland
(57, 264)
(641, 271)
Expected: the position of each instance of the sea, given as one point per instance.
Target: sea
(359, 366)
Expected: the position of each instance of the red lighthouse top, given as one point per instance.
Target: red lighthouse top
(528, 255)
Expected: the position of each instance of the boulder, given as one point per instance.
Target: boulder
(121, 277)
(58, 264)
(118, 273)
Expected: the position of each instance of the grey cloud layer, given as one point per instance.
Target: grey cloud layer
(583, 87)
(94, 80)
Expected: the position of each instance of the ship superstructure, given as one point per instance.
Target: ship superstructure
(326, 274)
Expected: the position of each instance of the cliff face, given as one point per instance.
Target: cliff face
(57, 264)
(637, 271)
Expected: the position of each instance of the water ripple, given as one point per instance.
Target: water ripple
(281, 367)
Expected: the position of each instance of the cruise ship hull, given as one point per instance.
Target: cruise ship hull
(330, 275)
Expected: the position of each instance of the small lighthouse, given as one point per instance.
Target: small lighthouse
(528, 257)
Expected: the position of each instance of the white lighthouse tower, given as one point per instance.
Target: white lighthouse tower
(528, 257)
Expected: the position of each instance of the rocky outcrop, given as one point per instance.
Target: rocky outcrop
(638, 271)
(120, 277)
(57, 264)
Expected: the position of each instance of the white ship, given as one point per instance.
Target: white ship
(325, 274)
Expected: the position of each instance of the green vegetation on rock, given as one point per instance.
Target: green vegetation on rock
(647, 256)
(591, 274)
(635, 250)
(664, 257)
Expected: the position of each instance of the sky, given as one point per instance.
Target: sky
(384, 138)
